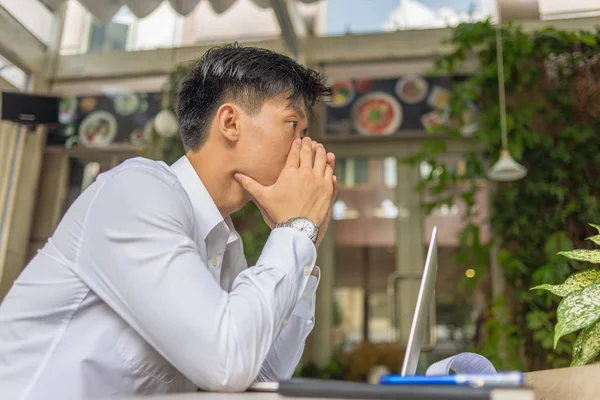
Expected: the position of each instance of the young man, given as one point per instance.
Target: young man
(144, 289)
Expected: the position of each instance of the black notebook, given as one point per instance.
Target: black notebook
(351, 390)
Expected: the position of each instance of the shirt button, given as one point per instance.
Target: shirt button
(214, 261)
(285, 322)
(304, 296)
(307, 270)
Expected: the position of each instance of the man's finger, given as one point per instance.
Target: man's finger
(331, 160)
(306, 153)
(293, 159)
(328, 172)
(254, 188)
(320, 160)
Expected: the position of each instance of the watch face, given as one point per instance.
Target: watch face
(304, 225)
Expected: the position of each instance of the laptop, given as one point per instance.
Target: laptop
(421, 315)
(419, 322)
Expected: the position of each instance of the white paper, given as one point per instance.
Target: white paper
(463, 363)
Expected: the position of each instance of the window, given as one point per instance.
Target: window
(390, 172)
(13, 75)
(33, 15)
(342, 17)
(107, 37)
(353, 171)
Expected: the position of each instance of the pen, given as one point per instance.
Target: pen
(506, 379)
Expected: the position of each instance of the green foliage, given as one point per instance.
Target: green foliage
(591, 256)
(333, 370)
(580, 307)
(248, 221)
(573, 283)
(578, 310)
(553, 116)
(587, 346)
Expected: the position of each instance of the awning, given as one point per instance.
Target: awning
(104, 10)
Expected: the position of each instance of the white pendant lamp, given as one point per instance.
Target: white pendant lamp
(506, 169)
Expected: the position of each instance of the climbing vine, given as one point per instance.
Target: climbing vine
(553, 107)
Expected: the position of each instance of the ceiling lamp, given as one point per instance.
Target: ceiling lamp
(506, 169)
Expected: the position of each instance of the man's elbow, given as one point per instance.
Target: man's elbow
(234, 380)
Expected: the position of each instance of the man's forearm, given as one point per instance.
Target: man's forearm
(288, 347)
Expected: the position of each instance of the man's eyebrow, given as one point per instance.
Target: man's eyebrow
(299, 110)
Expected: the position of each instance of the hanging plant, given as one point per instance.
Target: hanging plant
(552, 80)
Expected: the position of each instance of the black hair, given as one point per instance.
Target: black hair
(247, 76)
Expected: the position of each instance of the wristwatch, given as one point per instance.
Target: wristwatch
(303, 225)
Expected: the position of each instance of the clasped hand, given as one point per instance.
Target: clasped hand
(306, 187)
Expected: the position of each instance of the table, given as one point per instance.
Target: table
(226, 396)
(577, 383)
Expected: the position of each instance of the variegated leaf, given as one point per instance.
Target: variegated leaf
(596, 226)
(591, 256)
(595, 239)
(578, 310)
(574, 282)
(587, 345)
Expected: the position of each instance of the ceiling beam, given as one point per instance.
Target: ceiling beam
(118, 64)
(519, 10)
(20, 46)
(293, 27)
(402, 45)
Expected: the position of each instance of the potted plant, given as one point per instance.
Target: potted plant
(579, 309)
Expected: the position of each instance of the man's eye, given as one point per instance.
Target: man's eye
(294, 124)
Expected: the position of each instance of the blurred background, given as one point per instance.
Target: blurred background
(414, 119)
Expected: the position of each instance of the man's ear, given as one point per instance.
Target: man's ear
(228, 121)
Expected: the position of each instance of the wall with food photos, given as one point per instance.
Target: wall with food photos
(404, 107)
(407, 107)
(102, 120)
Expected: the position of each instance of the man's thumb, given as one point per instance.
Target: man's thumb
(250, 185)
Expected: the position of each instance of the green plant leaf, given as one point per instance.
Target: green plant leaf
(595, 239)
(587, 345)
(573, 283)
(578, 310)
(591, 256)
(596, 226)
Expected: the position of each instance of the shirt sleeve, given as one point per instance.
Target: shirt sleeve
(287, 350)
(137, 254)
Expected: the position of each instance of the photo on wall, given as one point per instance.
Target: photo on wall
(103, 120)
(406, 107)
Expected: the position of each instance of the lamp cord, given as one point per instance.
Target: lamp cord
(501, 88)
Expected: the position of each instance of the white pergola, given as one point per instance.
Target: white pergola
(382, 51)
(24, 50)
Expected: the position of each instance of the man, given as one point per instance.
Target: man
(144, 289)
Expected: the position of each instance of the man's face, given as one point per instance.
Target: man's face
(266, 138)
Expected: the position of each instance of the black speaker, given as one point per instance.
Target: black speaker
(29, 109)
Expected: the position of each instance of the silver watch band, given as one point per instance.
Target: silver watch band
(302, 224)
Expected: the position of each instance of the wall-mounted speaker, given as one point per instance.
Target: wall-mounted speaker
(29, 109)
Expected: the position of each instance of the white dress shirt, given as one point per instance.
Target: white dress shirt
(144, 289)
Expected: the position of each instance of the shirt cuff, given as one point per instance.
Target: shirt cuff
(305, 307)
(291, 251)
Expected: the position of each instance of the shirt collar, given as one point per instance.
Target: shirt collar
(206, 211)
